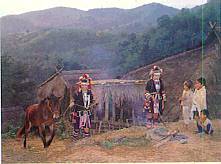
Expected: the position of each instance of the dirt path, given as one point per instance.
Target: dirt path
(196, 150)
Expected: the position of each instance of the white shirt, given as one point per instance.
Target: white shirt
(157, 85)
(199, 99)
(187, 98)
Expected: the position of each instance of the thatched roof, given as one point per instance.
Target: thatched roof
(71, 77)
(117, 82)
(53, 85)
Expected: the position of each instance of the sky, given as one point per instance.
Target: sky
(9, 7)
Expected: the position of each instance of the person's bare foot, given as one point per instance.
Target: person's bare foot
(149, 126)
(18, 139)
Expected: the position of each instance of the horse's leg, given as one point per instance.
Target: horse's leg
(42, 135)
(25, 136)
(52, 132)
(27, 129)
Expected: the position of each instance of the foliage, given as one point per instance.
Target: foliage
(11, 129)
(62, 130)
(107, 144)
(11, 132)
(126, 141)
(184, 31)
(35, 55)
(17, 86)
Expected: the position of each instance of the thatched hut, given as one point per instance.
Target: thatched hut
(118, 100)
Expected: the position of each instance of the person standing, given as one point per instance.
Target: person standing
(155, 97)
(186, 102)
(81, 113)
(199, 97)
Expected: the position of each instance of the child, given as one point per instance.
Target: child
(199, 96)
(204, 125)
(199, 99)
(186, 102)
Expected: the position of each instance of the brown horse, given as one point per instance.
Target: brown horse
(41, 115)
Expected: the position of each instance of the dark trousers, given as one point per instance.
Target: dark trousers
(207, 129)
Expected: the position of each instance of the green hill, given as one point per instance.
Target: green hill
(108, 19)
(34, 53)
(188, 66)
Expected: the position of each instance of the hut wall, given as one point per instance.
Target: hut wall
(119, 102)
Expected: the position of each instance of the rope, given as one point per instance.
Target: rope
(79, 106)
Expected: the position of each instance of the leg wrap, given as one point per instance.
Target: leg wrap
(155, 119)
(149, 120)
(86, 132)
(75, 135)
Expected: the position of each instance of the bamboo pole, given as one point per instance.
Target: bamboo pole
(50, 78)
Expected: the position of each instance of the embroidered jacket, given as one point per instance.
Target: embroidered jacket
(151, 88)
(79, 101)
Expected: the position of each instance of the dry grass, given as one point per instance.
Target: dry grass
(206, 148)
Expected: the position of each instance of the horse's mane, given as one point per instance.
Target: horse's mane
(53, 98)
(44, 101)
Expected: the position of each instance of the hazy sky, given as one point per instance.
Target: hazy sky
(21, 6)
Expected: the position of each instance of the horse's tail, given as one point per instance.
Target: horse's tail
(20, 132)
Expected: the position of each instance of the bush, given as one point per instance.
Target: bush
(107, 144)
(10, 131)
(62, 131)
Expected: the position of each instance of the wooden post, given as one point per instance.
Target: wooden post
(121, 110)
(127, 123)
(99, 129)
(121, 114)
(106, 114)
(133, 116)
(95, 113)
(113, 109)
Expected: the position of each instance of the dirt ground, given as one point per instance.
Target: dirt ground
(198, 149)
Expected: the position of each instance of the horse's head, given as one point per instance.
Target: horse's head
(55, 104)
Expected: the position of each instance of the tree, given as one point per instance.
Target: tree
(163, 21)
(17, 86)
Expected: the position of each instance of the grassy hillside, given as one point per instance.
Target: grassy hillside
(36, 53)
(87, 49)
(185, 66)
(109, 19)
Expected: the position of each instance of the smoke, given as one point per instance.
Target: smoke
(99, 56)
